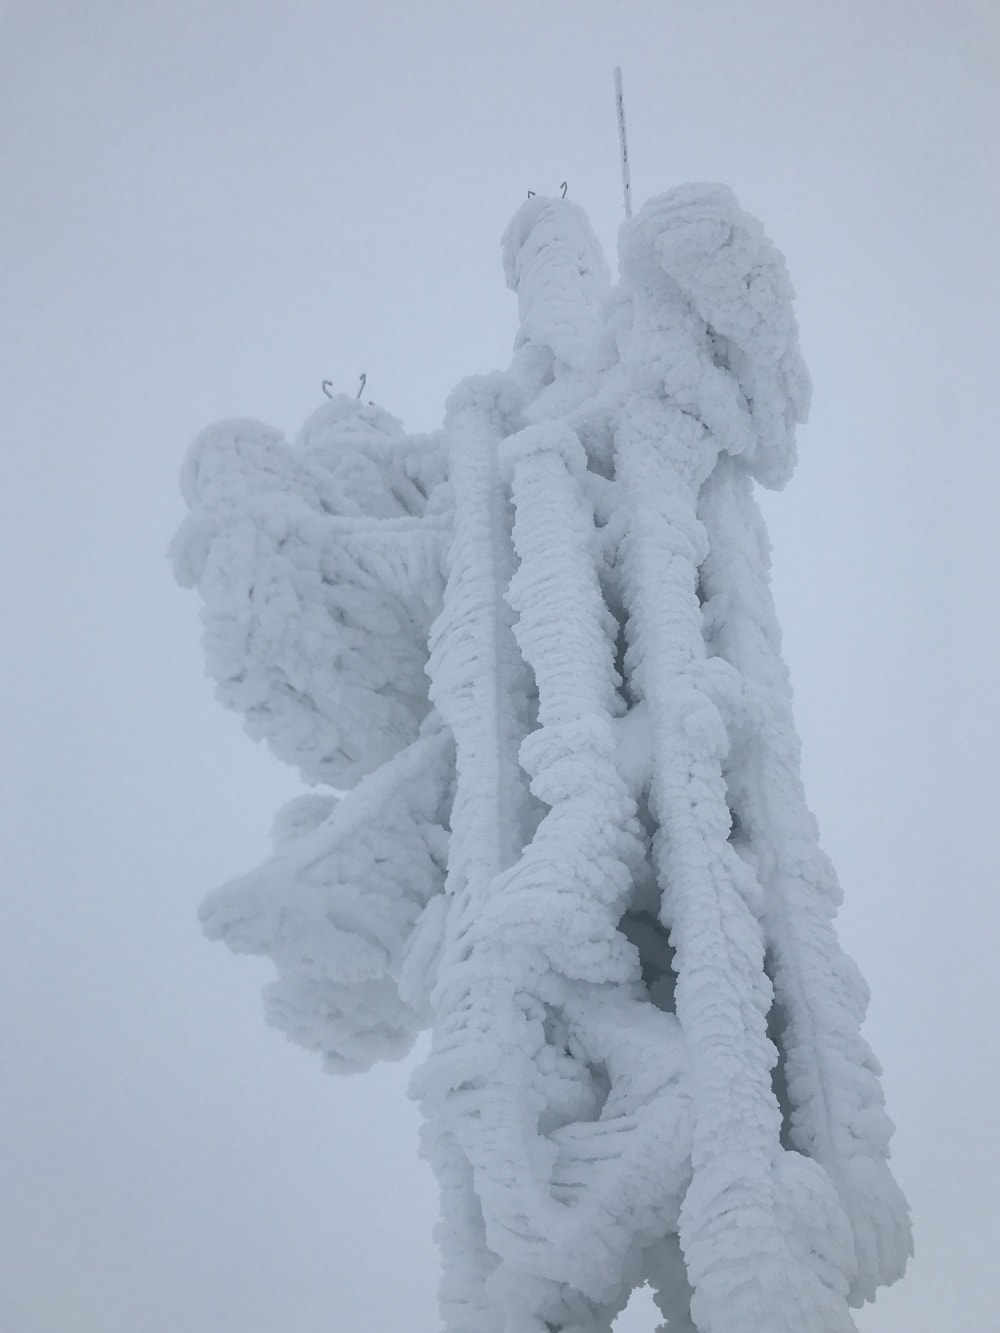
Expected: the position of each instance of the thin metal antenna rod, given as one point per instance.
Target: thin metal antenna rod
(623, 142)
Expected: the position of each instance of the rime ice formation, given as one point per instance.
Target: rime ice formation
(534, 660)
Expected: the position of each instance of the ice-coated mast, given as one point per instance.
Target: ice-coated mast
(623, 142)
(533, 660)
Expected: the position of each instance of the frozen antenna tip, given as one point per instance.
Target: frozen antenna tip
(623, 142)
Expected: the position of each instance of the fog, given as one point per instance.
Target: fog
(211, 208)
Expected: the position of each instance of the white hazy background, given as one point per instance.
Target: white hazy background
(209, 206)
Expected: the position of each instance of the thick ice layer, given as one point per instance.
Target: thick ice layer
(732, 358)
(321, 568)
(336, 904)
(834, 1103)
(553, 261)
(550, 629)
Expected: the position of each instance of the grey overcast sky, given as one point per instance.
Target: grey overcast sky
(208, 208)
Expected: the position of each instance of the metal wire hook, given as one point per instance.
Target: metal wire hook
(326, 386)
(531, 194)
(361, 386)
(564, 188)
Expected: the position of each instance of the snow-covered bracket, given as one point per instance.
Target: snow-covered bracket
(534, 663)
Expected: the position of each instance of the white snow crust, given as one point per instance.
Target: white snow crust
(540, 650)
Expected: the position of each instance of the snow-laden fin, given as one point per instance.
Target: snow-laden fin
(336, 905)
(321, 566)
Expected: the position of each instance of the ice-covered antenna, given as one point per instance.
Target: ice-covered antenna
(623, 142)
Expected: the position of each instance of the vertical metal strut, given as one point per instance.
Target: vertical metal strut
(623, 142)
